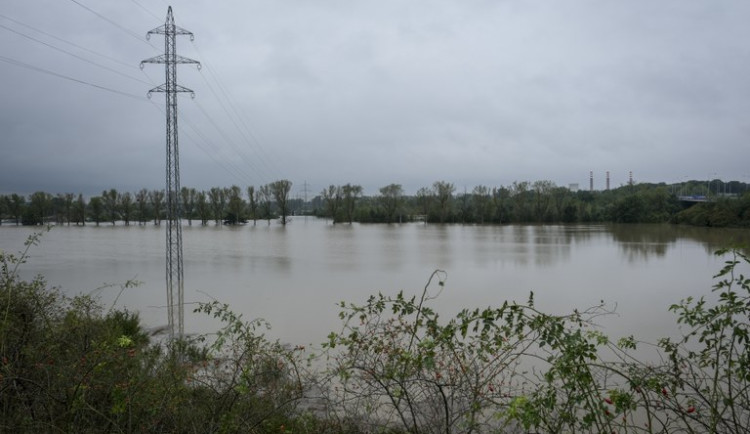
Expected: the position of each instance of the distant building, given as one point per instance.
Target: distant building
(573, 187)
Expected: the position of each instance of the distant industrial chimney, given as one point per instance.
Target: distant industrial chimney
(591, 180)
(630, 178)
(607, 180)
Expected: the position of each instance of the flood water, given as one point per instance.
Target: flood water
(294, 276)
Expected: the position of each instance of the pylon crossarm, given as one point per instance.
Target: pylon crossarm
(176, 30)
(178, 88)
(162, 58)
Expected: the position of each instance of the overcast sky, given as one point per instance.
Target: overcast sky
(376, 92)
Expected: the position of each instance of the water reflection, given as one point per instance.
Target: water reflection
(641, 242)
(551, 245)
(391, 238)
(340, 247)
(435, 245)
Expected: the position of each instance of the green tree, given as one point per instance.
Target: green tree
(236, 206)
(464, 203)
(142, 199)
(501, 204)
(519, 193)
(203, 208)
(332, 201)
(68, 200)
(265, 201)
(188, 196)
(218, 202)
(17, 206)
(351, 194)
(58, 208)
(252, 199)
(424, 200)
(391, 199)
(80, 210)
(156, 199)
(127, 206)
(39, 209)
(542, 198)
(4, 207)
(96, 204)
(443, 198)
(480, 198)
(280, 190)
(111, 204)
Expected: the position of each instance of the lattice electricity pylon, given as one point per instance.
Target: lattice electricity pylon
(175, 302)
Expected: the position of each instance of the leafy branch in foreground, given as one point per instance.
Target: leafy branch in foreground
(397, 364)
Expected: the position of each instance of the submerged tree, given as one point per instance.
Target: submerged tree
(332, 201)
(280, 190)
(217, 200)
(252, 200)
(350, 195)
(236, 206)
(156, 197)
(391, 199)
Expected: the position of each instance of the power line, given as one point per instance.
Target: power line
(73, 55)
(114, 23)
(46, 71)
(262, 155)
(147, 11)
(80, 47)
(228, 166)
(228, 139)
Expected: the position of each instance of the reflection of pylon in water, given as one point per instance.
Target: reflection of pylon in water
(175, 302)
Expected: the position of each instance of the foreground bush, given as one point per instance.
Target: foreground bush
(68, 365)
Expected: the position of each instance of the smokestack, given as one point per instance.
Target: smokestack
(607, 180)
(591, 180)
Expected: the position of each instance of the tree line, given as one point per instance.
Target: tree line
(727, 204)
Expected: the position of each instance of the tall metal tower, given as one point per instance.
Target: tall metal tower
(175, 302)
